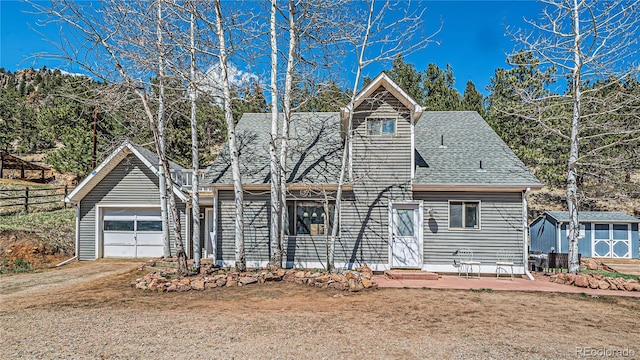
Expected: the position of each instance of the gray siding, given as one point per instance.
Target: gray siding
(500, 227)
(381, 172)
(256, 227)
(129, 183)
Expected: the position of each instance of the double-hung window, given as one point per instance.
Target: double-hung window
(464, 214)
(381, 126)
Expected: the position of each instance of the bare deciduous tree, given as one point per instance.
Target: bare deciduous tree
(119, 36)
(276, 207)
(388, 38)
(594, 45)
(240, 259)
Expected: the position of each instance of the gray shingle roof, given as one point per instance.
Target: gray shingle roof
(594, 216)
(315, 150)
(468, 140)
(152, 157)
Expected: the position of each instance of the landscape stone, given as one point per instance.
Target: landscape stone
(365, 271)
(569, 279)
(581, 281)
(197, 284)
(245, 280)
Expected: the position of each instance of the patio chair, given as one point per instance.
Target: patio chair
(467, 263)
(504, 263)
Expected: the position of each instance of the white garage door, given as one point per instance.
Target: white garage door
(132, 233)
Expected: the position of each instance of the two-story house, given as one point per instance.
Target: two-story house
(420, 185)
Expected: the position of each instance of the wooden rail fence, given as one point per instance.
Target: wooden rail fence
(16, 200)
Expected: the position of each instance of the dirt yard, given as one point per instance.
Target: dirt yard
(89, 311)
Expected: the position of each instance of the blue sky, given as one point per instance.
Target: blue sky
(472, 39)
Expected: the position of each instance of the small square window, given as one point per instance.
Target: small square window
(464, 215)
(381, 127)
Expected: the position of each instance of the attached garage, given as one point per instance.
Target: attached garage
(131, 233)
(118, 208)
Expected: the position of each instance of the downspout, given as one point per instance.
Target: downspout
(77, 237)
(525, 234)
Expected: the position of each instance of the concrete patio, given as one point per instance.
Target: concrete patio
(541, 283)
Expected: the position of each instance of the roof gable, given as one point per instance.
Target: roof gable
(382, 80)
(98, 174)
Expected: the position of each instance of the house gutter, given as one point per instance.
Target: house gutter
(525, 233)
(77, 236)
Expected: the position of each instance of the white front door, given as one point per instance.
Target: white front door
(406, 235)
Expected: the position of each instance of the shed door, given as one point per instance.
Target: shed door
(406, 249)
(132, 233)
(611, 241)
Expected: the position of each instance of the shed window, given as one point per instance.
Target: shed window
(464, 215)
(381, 127)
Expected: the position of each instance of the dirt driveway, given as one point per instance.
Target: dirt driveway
(65, 276)
(91, 315)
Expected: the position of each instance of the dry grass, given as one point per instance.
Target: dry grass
(106, 318)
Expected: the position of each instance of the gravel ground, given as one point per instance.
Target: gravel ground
(104, 318)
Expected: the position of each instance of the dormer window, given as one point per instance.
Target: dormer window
(381, 126)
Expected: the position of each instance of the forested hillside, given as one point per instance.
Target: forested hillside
(53, 112)
(609, 163)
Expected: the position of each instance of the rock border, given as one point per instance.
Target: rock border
(596, 281)
(160, 279)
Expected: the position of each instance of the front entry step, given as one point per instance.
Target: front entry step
(397, 274)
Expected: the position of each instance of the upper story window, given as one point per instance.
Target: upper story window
(381, 127)
(464, 215)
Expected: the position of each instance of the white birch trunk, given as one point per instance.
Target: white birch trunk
(162, 180)
(284, 147)
(572, 174)
(346, 155)
(195, 161)
(276, 207)
(240, 259)
(164, 170)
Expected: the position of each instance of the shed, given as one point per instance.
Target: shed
(603, 234)
(17, 168)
